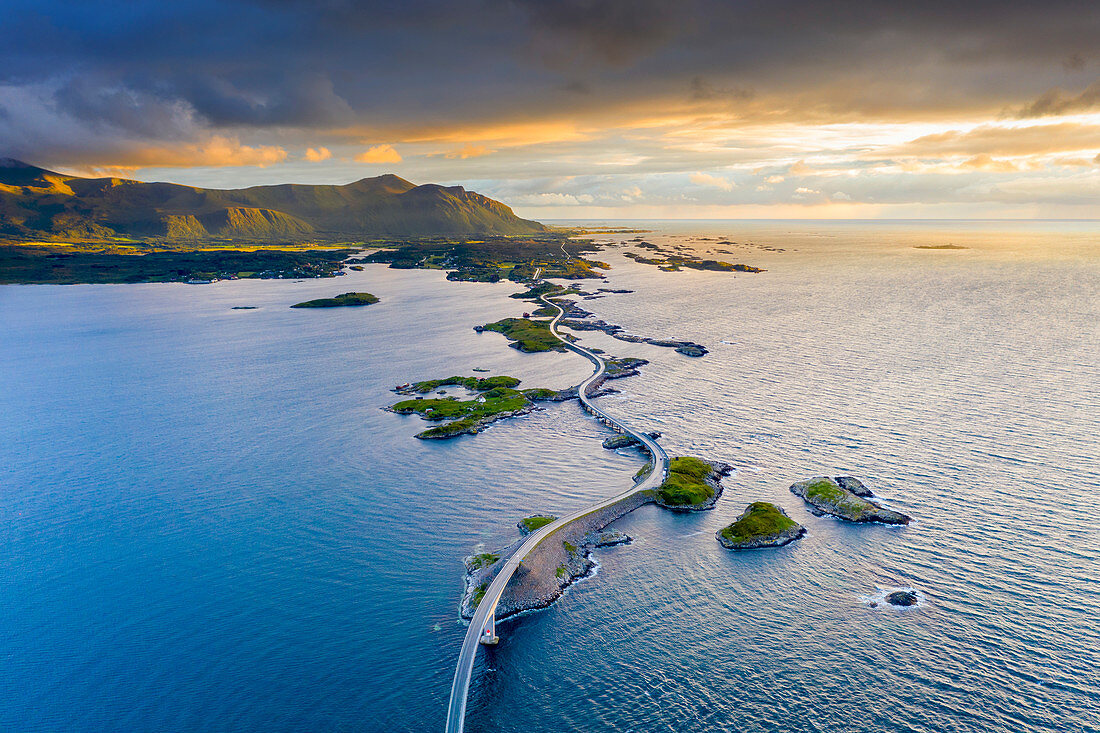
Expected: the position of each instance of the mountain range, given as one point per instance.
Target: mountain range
(41, 204)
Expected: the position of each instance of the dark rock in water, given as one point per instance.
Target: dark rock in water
(691, 350)
(849, 483)
(902, 598)
(760, 525)
(625, 441)
(624, 367)
(608, 538)
(826, 496)
(244, 308)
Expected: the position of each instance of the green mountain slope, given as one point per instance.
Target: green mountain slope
(37, 203)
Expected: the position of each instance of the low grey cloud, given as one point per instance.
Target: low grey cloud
(1059, 101)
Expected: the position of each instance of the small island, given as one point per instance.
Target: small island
(527, 525)
(939, 246)
(346, 299)
(461, 417)
(528, 336)
(496, 398)
(828, 496)
(761, 525)
(693, 484)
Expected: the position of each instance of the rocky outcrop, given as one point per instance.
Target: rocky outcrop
(827, 496)
(627, 366)
(577, 319)
(902, 598)
(761, 525)
(712, 480)
(626, 441)
(607, 538)
(854, 485)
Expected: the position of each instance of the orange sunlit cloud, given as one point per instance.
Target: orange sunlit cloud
(379, 154)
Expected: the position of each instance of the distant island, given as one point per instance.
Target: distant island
(339, 301)
(939, 246)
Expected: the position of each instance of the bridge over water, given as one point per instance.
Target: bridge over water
(482, 628)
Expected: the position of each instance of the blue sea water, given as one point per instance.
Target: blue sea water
(208, 524)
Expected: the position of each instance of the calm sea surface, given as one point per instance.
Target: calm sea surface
(208, 524)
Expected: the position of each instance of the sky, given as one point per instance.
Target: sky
(574, 109)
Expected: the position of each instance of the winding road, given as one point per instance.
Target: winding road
(483, 623)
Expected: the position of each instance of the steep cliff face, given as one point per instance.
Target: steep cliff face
(35, 202)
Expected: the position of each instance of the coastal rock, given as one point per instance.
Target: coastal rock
(691, 350)
(625, 441)
(627, 366)
(527, 525)
(826, 496)
(598, 325)
(761, 525)
(902, 598)
(854, 485)
(693, 484)
(607, 538)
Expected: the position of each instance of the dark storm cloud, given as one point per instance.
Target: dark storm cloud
(154, 71)
(613, 31)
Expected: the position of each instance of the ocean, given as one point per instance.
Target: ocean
(207, 523)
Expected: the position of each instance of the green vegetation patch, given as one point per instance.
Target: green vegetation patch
(497, 397)
(540, 393)
(464, 415)
(339, 301)
(530, 524)
(478, 594)
(761, 519)
(483, 560)
(685, 485)
(527, 335)
(542, 288)
(826, 491)
(471, 383)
